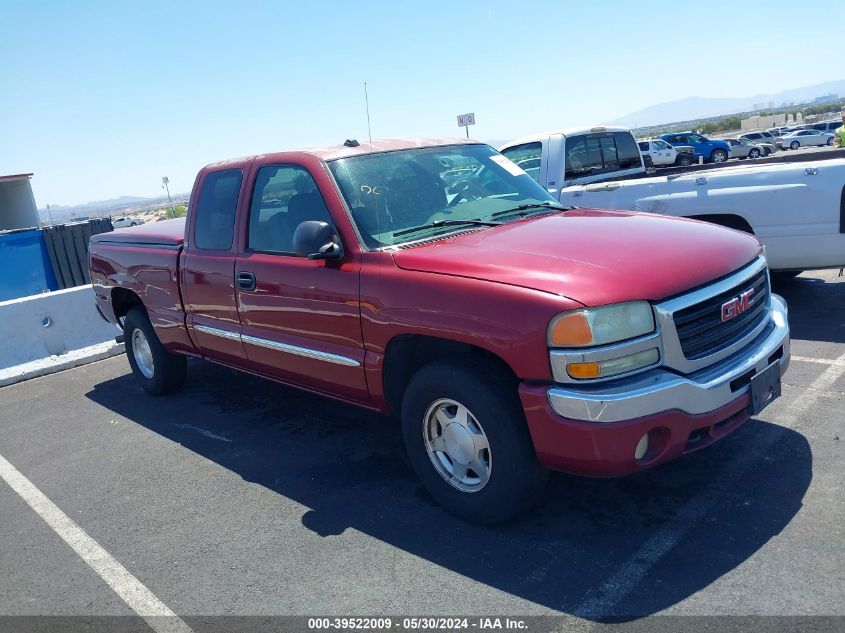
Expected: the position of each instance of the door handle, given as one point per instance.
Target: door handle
(246, 281)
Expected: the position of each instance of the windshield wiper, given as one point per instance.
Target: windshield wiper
(523, 208)
(438, 223)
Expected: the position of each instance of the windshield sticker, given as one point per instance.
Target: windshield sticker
(509, 165)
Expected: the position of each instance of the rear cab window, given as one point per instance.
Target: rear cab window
(214, 222)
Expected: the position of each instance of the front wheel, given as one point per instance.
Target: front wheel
(684, 160)
(158, 371)
(718, 156)
(467, 440)
(829, 141)
(794, 145)
(754, 153)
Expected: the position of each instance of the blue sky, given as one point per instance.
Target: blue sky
(101, 99)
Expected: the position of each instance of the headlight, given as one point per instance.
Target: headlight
(600, 326)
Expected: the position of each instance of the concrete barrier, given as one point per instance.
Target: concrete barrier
(50, 332)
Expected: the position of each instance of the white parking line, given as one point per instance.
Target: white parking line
(140, 599)
(823, 361)
(600, 602)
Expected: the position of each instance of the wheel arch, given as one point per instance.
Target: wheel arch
(405, 354)
(729, 220)
(123, 300)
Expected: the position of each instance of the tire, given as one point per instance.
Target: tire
(158, 371)
(829, 141)
(794, 145)
(754, 153)
(514, 478)
(684, 160)
(718, 156)
(766, 151)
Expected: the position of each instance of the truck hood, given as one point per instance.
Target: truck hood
(593, 256)
(166, 232)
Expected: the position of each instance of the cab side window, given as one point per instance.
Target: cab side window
(527, 157)
(215, 216)
(284, 196)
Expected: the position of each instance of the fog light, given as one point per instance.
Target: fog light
(613, 366)
(642, 447)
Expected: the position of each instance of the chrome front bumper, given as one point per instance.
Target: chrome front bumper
(661, 390)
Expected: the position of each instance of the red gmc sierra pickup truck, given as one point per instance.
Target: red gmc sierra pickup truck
(435, 281)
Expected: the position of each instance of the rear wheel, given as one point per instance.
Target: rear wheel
(158, 371)
(467, 440)
(718, 156)
(794, 145)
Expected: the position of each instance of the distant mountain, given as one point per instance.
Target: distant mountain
(106, 207)
(703, 107)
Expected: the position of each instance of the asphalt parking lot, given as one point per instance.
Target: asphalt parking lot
(241, 497)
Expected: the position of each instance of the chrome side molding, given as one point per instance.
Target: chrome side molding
(305, 352)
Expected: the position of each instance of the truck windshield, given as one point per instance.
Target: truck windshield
(433, 189)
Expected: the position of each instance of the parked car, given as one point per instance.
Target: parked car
(764, 139)
(509, 334)
(825, 126)
(125, 221)
(660, 151)
(805, 138)
(712, 151)
(759, 199)
(743, 148)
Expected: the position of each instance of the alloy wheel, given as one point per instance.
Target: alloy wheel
(457, 445)
(142, 353)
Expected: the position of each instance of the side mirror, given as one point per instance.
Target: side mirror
(316, 240)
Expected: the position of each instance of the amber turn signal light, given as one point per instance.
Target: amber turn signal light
(571, 329)
(584, 370)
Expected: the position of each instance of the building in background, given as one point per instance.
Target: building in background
(17, 204)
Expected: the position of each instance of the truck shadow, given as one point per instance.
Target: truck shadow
(348, 467)
(816, 308)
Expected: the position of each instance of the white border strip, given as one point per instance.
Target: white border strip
(140, 599)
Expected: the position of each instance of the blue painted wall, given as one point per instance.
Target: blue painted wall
(25, 267)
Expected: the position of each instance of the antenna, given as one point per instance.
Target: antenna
(367, 102)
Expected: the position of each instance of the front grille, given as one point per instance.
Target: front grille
(701, 330)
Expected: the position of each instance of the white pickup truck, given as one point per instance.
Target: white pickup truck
(796, 209)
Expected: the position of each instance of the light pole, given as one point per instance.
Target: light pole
(50, 215)
(165, 182)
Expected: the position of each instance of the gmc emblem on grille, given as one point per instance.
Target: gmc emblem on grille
(737, 305)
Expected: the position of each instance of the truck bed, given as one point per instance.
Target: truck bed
(143, 262)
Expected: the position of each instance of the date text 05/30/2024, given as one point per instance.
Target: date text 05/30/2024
(422, 623)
